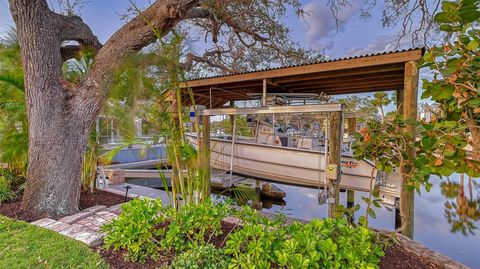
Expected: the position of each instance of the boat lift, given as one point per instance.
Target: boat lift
(334, 114)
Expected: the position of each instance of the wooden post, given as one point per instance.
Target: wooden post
(205, 149)
(350, 198)
(232, 117)
(407, 105)
(334, 157)
(351, 204)
(352, 126)
(264, 93)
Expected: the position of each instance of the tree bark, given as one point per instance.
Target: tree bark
(60, 113)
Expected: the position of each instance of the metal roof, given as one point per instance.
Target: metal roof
(310, 63)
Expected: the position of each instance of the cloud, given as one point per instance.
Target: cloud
(321, 25)
(382, 43)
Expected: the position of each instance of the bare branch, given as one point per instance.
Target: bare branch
(191, 58)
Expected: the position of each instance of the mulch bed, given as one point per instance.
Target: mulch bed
(98, 197)
(396, 257)
(116, 259)
(87, 199)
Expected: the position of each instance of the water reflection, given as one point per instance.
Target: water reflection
(462, 209)
(446, 218)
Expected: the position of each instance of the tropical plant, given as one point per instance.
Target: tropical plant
(135, 230)
(194, 225)
(158, 79)
(201, 257)
(13, 116)
(328, 243)
(6, 193)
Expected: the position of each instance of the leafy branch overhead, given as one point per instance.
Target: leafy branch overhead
(455, 126)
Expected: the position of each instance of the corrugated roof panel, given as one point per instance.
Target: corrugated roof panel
(310, 63)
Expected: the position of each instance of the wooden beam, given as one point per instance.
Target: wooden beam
(364, 77)
(376, 60)
(408, 107)
(351, 89)
(342, 84)
(335, 74)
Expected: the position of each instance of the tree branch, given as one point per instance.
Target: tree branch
(153, 23)
(73, 28)
(205, 59)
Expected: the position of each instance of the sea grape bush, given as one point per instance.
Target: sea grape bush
(455, 90)
(146, 228)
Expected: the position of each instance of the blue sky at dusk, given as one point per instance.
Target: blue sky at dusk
(353, 36)
(319, 31)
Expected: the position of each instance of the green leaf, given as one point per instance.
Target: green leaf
(470, 16)
(428, 143)
(443, 93)
(428, 57)
(371, 213)
(446, 17)
(447, 28)
(473, 45)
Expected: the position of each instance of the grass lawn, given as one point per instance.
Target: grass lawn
(23, 245)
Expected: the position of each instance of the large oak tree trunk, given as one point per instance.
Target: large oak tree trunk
(55, 161)
(58, 127)
(61, 113)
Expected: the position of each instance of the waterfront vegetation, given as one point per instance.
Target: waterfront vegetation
(147, 229)
(27, 246)
(192, 229)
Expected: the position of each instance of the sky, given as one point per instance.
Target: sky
(353, 36)
(319, 31)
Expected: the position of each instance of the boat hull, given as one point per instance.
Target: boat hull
(291, 165)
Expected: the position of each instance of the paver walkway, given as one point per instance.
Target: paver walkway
(83, 226)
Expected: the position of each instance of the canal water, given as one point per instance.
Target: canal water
(447, 219)
(432, 225)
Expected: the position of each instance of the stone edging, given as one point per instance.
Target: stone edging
(83, 226)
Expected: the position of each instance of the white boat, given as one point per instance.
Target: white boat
(301, 162)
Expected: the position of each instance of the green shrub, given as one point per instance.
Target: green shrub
(6, 193)
(329, 243)
(195, 224)
(201, 257)
(257, 241)
(135, 230)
